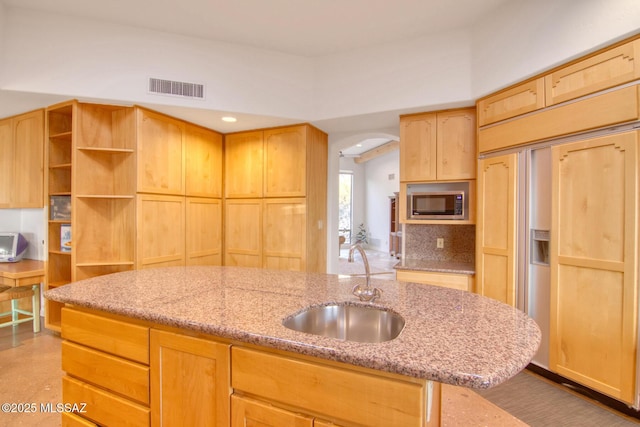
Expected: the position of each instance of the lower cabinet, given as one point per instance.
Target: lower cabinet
(335, 392)
(464, 282)
(189, 381)
(130, 373)
(106, 362)
(248, 412)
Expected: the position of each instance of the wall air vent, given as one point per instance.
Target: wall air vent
(173, 88)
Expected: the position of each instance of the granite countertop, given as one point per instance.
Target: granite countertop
(450, 336)
(436, 266)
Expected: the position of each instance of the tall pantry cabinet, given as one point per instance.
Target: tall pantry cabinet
(179, 192)
(275, 198)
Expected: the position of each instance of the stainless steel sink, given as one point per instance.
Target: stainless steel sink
(348, 322)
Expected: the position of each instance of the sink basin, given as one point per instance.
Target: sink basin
(348, 322)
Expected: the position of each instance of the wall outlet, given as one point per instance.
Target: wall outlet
(440, 242)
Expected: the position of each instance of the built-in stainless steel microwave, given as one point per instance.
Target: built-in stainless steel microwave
(436, 205)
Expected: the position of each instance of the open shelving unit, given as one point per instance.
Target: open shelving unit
(91, 152)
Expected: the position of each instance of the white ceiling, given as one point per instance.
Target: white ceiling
(311, 28)
(298, 27)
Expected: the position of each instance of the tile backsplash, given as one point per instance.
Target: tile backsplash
(459, 242)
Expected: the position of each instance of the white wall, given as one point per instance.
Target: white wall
(56, 54)
(31, 223)
(523, 38)
(433, 70)
(380, 185)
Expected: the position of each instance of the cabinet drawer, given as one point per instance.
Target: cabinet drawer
(103, 407)
(353, 396)
(109, 335)
(121, 376)
(248, 412)
(463, 282)
(72, 420)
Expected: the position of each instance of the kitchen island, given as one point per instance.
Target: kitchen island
(450, 336)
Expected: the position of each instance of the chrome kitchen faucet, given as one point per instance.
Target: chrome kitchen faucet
(367, 293)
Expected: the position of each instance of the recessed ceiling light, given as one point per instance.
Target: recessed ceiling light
(358, 145)
(229, 119)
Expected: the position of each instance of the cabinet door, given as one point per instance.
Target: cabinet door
(518, 100)
(243, 154)
(28, 130)
(285, 162)
(284, 234)
(496, 228)
(160, 154)
(610, 68)
(204, 231)
(456, 145)
(248, 412)
(594, 263)
(418, 147)
(243, 233)
(6, 162)
(22, 161)
(161, 231)
(203, 162)
(189, 381)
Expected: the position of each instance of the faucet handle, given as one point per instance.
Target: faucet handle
(366, 293)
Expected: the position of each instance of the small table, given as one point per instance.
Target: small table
(24, 273)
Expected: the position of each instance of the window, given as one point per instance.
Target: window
(345, 206)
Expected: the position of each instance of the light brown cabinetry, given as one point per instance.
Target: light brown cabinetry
(22, 161)
(463, 282)
(107, 367)
(557, 94)
(179, 190)
(594, 263)
(275, 188)
(515, 101)
(496, 228)
(160, 231)
(604, 70)
(91, 167)
(247, 412)
(243, 232)
(331, 391)
(189, 381)
(438, 146)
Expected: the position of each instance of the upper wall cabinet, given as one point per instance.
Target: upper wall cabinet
(610, 68)
(518, 100)
(178, 158)
(565, 85)
(285, 162)
(160, 150)
(438, 146)
(243, 161)
(22, 161)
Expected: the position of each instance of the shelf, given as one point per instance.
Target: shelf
(62, 136)
(107, 150)
(52, 251)
(105, 264)
(60, 193)
(60, 166)
(52, 285)
(105, 196)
